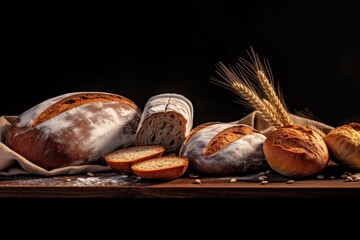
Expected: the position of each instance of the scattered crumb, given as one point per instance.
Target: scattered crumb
(355, 176)
(320, 177)
(268, 171)
(197, 181)
(344, 176)
(349, 179)
(264, 182)
(262, 178)
(290, 181)
(90, 174)
(332, 177)
(261, 173)
(357, 179)
(232, 180)
(68, 180)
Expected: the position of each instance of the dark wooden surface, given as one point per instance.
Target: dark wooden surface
(114, 185)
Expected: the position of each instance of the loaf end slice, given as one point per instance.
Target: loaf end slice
(162, 168)
(122, 159)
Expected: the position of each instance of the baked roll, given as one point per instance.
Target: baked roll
(344, 144)
(166, 120)
(74, 129)
(224, 149)
(296, 151)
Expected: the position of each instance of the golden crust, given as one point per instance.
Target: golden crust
(165, 173)
(296, 151)
(344, 144)
(227, 136)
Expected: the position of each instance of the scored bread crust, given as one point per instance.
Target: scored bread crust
(296, 151)
(123, 165)
(162, 168)
(219, 149)
(166, 120)
(74, 129)
(344, 144)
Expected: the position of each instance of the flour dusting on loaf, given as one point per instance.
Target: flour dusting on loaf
(166, 120)
(238, 156)
(78, 135)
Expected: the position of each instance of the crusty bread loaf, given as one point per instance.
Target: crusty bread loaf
(224, 149)
(296, 151)
(122, 159)
(162, 168)
(166, 120)
(344, 144)
(74, 129)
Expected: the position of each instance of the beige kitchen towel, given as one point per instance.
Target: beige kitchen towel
(254, 119)
(12, 163)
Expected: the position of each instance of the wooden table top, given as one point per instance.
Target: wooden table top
(115, 185)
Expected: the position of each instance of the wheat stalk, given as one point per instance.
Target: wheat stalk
(237, 82)
(264, 75)
(271, 109)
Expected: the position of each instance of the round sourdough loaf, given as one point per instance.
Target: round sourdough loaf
(344, 144)
(224, 149)
(166, 120)
(296, 151)
(74, 129)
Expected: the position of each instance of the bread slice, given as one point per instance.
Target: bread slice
(122, 159)
(162, 168)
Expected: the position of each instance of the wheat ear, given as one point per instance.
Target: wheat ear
(271, 108)
(234, 82)
(265, 78)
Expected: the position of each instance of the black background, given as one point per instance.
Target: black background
(139, 49)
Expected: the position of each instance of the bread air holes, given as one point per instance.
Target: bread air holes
(153, 139)
(172, 142)
(71, 101)
(172, 115)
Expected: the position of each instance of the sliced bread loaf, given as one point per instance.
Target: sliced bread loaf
(166, 120)
(122, 159)
(162, 168)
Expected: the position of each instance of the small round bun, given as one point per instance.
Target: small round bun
(296, 151)
(344, 144)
